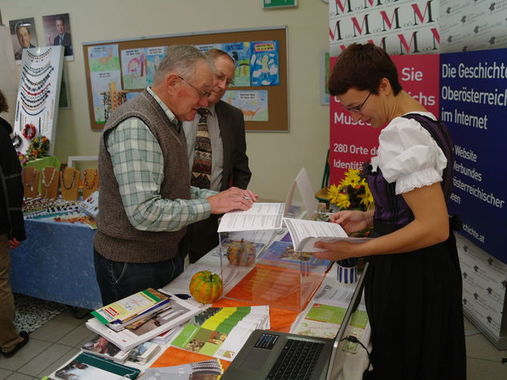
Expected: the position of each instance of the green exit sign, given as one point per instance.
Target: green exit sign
(279, 3)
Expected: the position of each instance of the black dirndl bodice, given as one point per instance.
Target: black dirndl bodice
(414, 299)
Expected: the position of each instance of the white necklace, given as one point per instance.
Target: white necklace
(48, 184)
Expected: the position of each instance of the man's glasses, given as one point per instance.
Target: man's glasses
(222, 78)
(359, 107)
(202, 93)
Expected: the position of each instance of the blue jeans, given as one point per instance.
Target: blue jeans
(118, 280)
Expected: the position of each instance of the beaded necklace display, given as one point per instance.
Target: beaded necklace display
(27, 108)
(33, 89)
(32, 113)
(36, 208)
(38, 57)
(62, 178)
(48, 70)
(37, 72)
(48, 184)
(87, 185)
(32, 92)
(32, 182)
(34, 101)
(37, 69)
(37, 85)
(36, 96)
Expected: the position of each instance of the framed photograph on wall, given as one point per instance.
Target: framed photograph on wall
(23, 36)
(57, 31)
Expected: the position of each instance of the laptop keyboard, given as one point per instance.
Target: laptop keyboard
(296, 361)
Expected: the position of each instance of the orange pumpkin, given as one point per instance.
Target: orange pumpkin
(205, 287)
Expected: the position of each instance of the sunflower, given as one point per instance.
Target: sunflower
(351, 192)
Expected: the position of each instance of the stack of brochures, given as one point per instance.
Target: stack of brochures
(131, 309)
(140, 317)
(100, 346)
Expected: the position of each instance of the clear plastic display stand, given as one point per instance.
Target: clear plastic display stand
(257, 259)
(262, 268)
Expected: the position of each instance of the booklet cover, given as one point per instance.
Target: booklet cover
(305, 233)
(262, 216)
(100, 346)
(221, 332)
(131, 308)
(324, 320)
(176, 313)
(282, 252)
(89, 367)
(143, 353)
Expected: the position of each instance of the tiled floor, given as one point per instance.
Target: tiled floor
(58, 340)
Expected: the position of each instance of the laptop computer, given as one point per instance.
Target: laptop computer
(275, 355)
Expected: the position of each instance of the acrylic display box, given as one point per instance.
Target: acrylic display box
(262, 268)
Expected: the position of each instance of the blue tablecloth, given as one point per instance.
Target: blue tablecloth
(55, 263)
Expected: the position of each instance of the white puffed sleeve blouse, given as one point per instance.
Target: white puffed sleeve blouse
(408, 155)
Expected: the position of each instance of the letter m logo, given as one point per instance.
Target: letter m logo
(408, 47)
(425, 17)
(361, 29)
(342, 6)
(391, 23)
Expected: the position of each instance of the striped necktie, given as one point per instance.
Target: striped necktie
(201, 169)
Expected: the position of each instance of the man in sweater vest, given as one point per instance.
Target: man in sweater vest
(146, 200)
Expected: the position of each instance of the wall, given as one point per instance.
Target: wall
(275, 158)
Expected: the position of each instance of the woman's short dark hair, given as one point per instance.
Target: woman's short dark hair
(362, 66)
(4, 107)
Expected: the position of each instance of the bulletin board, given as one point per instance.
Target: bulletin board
(274, 105)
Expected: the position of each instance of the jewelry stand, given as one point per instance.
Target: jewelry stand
(38, 95)
(69, 181)
(50, 179)
(30, 177)
(90, 181)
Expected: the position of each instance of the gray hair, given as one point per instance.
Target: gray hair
(180, 59)
(215, 53)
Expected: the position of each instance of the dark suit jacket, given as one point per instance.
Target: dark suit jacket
(67, 42)
(202, 236)
(232, 130)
